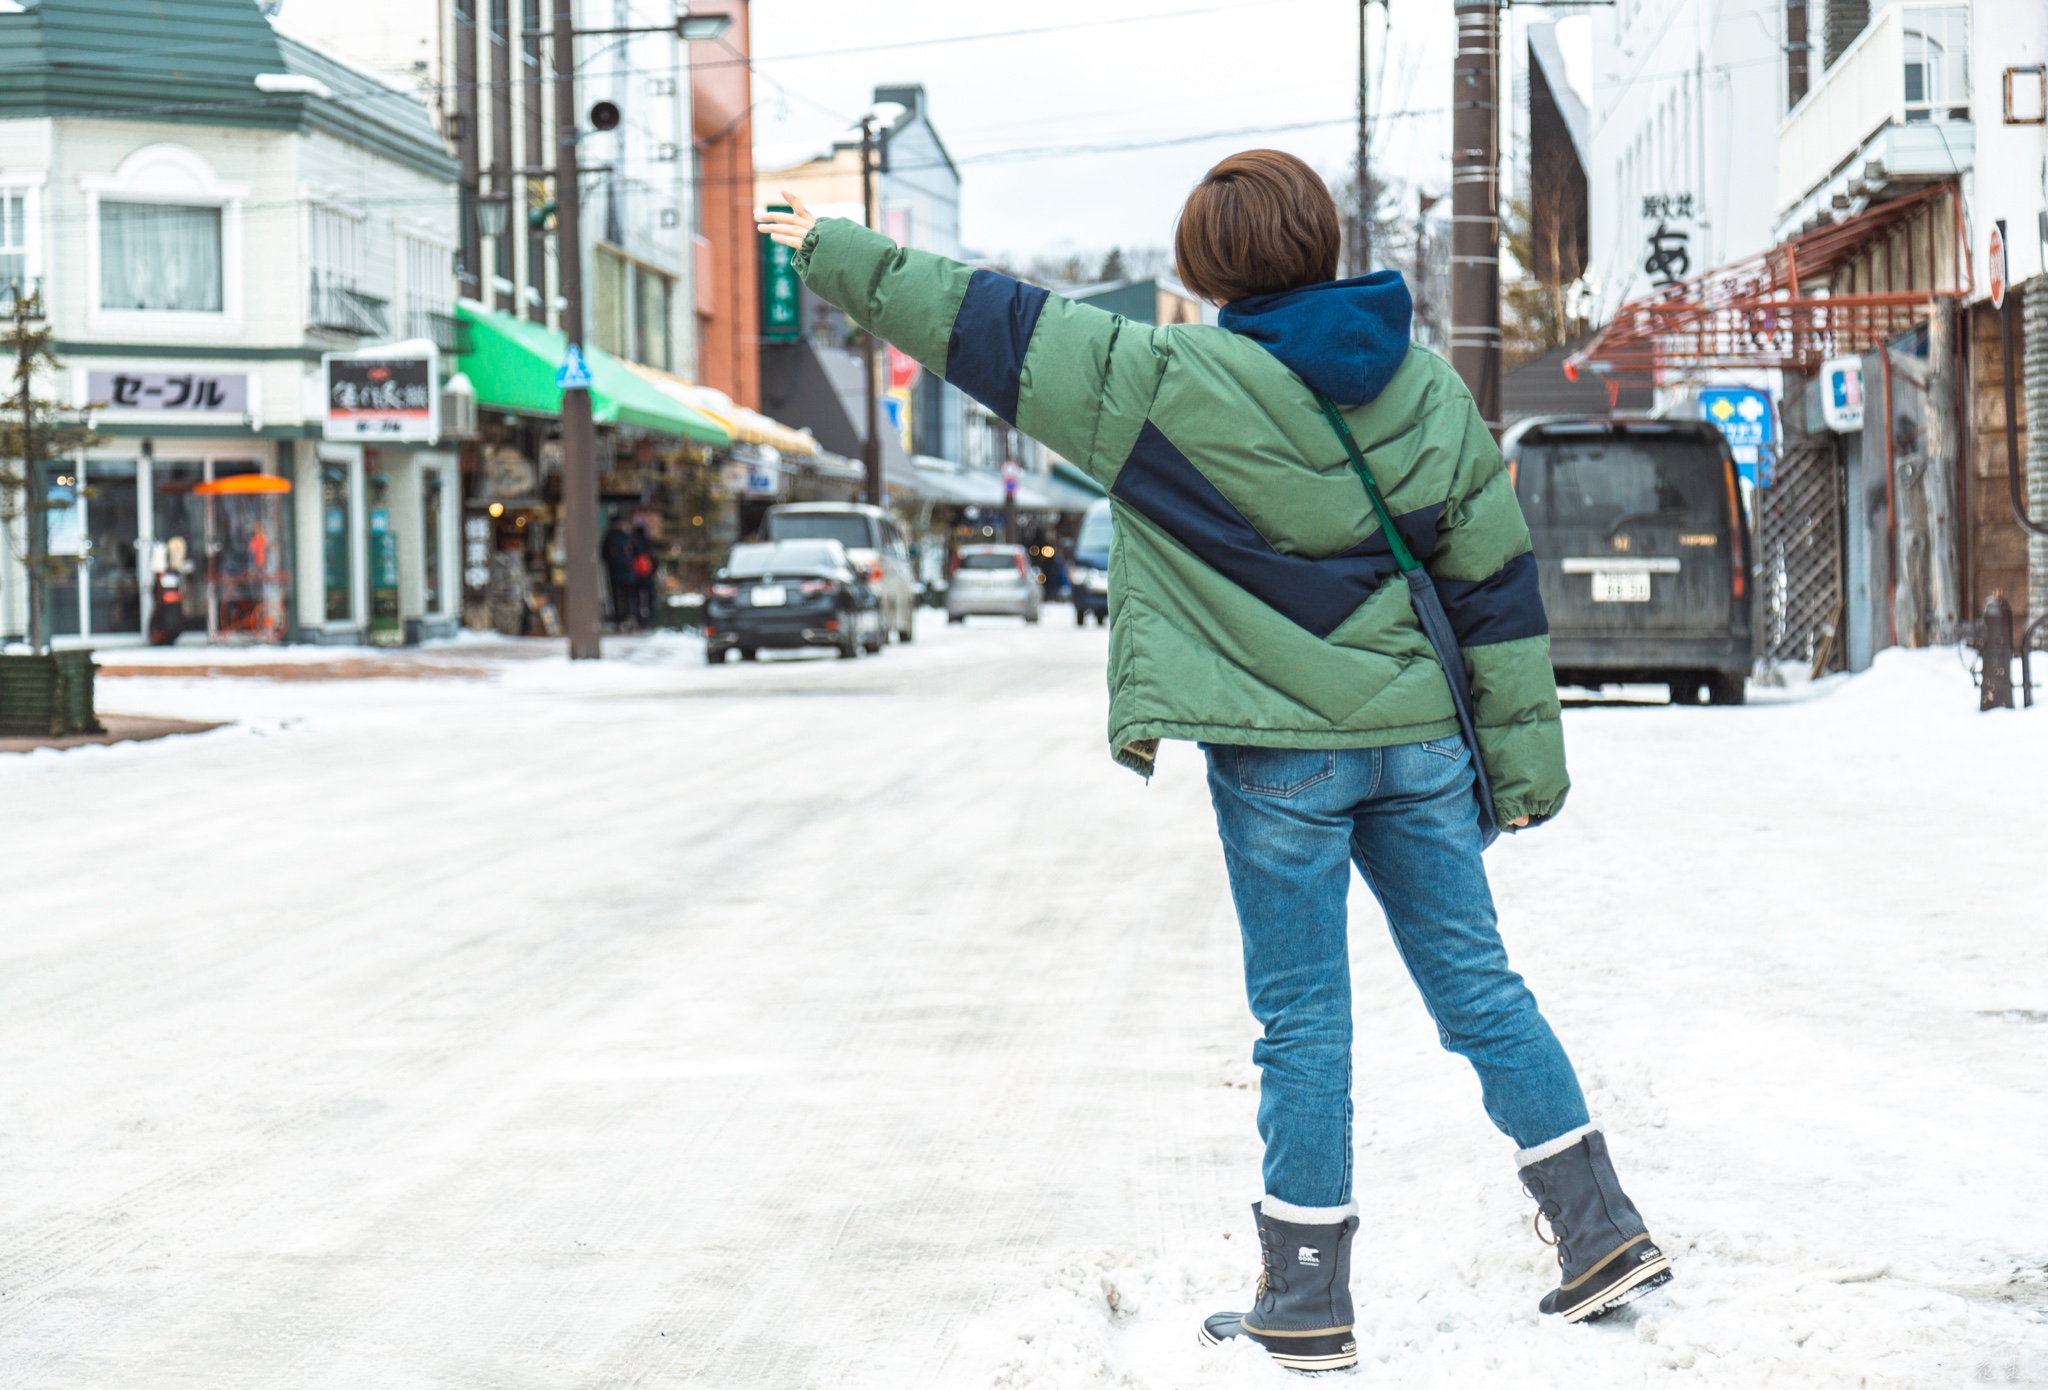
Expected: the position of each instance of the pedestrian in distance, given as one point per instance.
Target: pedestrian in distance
(1272, 476)
(618, 552)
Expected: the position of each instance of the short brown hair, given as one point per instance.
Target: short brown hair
(1259, 222)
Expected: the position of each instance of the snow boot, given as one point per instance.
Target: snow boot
(1302, 1312)
(1605, 1249)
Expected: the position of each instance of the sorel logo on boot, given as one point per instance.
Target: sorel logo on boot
(1308, 1257)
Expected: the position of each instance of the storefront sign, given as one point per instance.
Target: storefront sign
(1841, 394)
(187, 393)
(392, 398)
(754, 477)
(781, 305)
(1669, 222)
(1743, 415)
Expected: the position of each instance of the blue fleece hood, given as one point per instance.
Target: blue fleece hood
(1346, 338)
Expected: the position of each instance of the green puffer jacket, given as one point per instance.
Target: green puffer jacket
(1250, 591)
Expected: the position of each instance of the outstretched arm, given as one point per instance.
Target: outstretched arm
(1076, 378)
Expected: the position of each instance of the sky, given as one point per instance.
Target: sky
(1107, 72)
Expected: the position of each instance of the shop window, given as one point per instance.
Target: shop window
(431, 495)
(14, 230)
(160, 258)
(337, 542)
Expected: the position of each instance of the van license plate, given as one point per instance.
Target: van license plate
(775, 596)
(1625, 587)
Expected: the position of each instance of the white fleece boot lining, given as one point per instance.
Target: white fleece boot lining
(1525, 1157)
(1306, 1216)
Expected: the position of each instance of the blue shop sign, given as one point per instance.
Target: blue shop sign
(1743, 415)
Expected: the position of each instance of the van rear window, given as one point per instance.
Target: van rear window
(1605, 484)
(850, 529)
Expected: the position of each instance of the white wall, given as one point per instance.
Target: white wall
(2011, 175)
(1687, 99)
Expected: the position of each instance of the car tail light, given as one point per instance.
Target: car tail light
(1739, 559)
(725, 591)
(875, 572)
(815, 586)
(831, 624)
(1023, 565)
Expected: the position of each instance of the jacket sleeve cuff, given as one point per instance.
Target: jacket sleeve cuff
(1507, 810)
(801, 261)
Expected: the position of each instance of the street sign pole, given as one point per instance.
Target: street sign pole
(579, 433)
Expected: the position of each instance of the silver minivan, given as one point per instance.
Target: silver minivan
(873, 541)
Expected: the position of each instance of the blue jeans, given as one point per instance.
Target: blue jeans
(1292, 822)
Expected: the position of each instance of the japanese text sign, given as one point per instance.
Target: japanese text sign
(192, 393)
(388, 398)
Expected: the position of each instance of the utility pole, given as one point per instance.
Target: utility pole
(1475, 205)
(35, 495)
(579, 433)
(1361, 232)
(871, 453)
(469, 277)
(502, 268)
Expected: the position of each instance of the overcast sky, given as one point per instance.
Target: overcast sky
(1178, 68)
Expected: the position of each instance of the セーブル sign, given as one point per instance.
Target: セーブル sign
(189, 393)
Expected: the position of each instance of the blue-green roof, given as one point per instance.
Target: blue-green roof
(196, 62)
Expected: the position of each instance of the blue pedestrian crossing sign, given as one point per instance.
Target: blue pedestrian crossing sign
(574, 373)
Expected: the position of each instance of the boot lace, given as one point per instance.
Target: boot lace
(1269, 1260)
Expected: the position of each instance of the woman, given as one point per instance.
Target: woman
(1254, 614)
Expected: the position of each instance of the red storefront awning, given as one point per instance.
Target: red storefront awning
(1831, 292)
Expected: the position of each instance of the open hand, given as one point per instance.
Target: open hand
(789, 228)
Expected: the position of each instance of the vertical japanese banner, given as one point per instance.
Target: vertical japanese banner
(781, 306)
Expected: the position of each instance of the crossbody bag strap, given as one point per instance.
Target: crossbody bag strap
(1403, 557)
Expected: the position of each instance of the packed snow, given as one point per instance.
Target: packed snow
(816, 1023)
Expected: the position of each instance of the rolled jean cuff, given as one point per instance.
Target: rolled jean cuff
(1306, 1216)
(1551, 1149)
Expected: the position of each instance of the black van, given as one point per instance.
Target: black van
(1642, 549)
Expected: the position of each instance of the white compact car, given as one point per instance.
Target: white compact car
(993, 579)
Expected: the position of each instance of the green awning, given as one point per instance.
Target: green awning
(512, 363)
(1073, 477)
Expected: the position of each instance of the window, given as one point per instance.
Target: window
(335, 254)
(1937, 75)
(13, 242)
(429, 286)
(430, 533)
(160, 258)
(630, 310)
(337, 541)
(650, 317)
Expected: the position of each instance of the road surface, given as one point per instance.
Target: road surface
(818, 1023)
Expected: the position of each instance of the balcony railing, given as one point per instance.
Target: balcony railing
(444, 331)
(348, 312)
(1908, 67)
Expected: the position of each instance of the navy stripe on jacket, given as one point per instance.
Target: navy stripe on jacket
(1499, 608)
(985, 354)
(1161, 484)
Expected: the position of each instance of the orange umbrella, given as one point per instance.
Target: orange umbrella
(243, 485)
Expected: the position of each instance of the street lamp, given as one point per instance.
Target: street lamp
(696, 27)
(493, 211)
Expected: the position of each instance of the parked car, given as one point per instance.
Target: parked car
(993, 579)
(876, 544)
(1642, 552)
(1088, 575)
(790, 594)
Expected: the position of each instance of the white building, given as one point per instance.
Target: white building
(488, 72)
(1686, 102)
(202, 235)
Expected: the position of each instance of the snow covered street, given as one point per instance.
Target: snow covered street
(819, 1023)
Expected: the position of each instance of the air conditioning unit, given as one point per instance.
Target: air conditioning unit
(458, 409)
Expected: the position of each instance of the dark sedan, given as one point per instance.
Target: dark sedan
(790, 594)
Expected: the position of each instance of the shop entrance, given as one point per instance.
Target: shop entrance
(92, 530)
